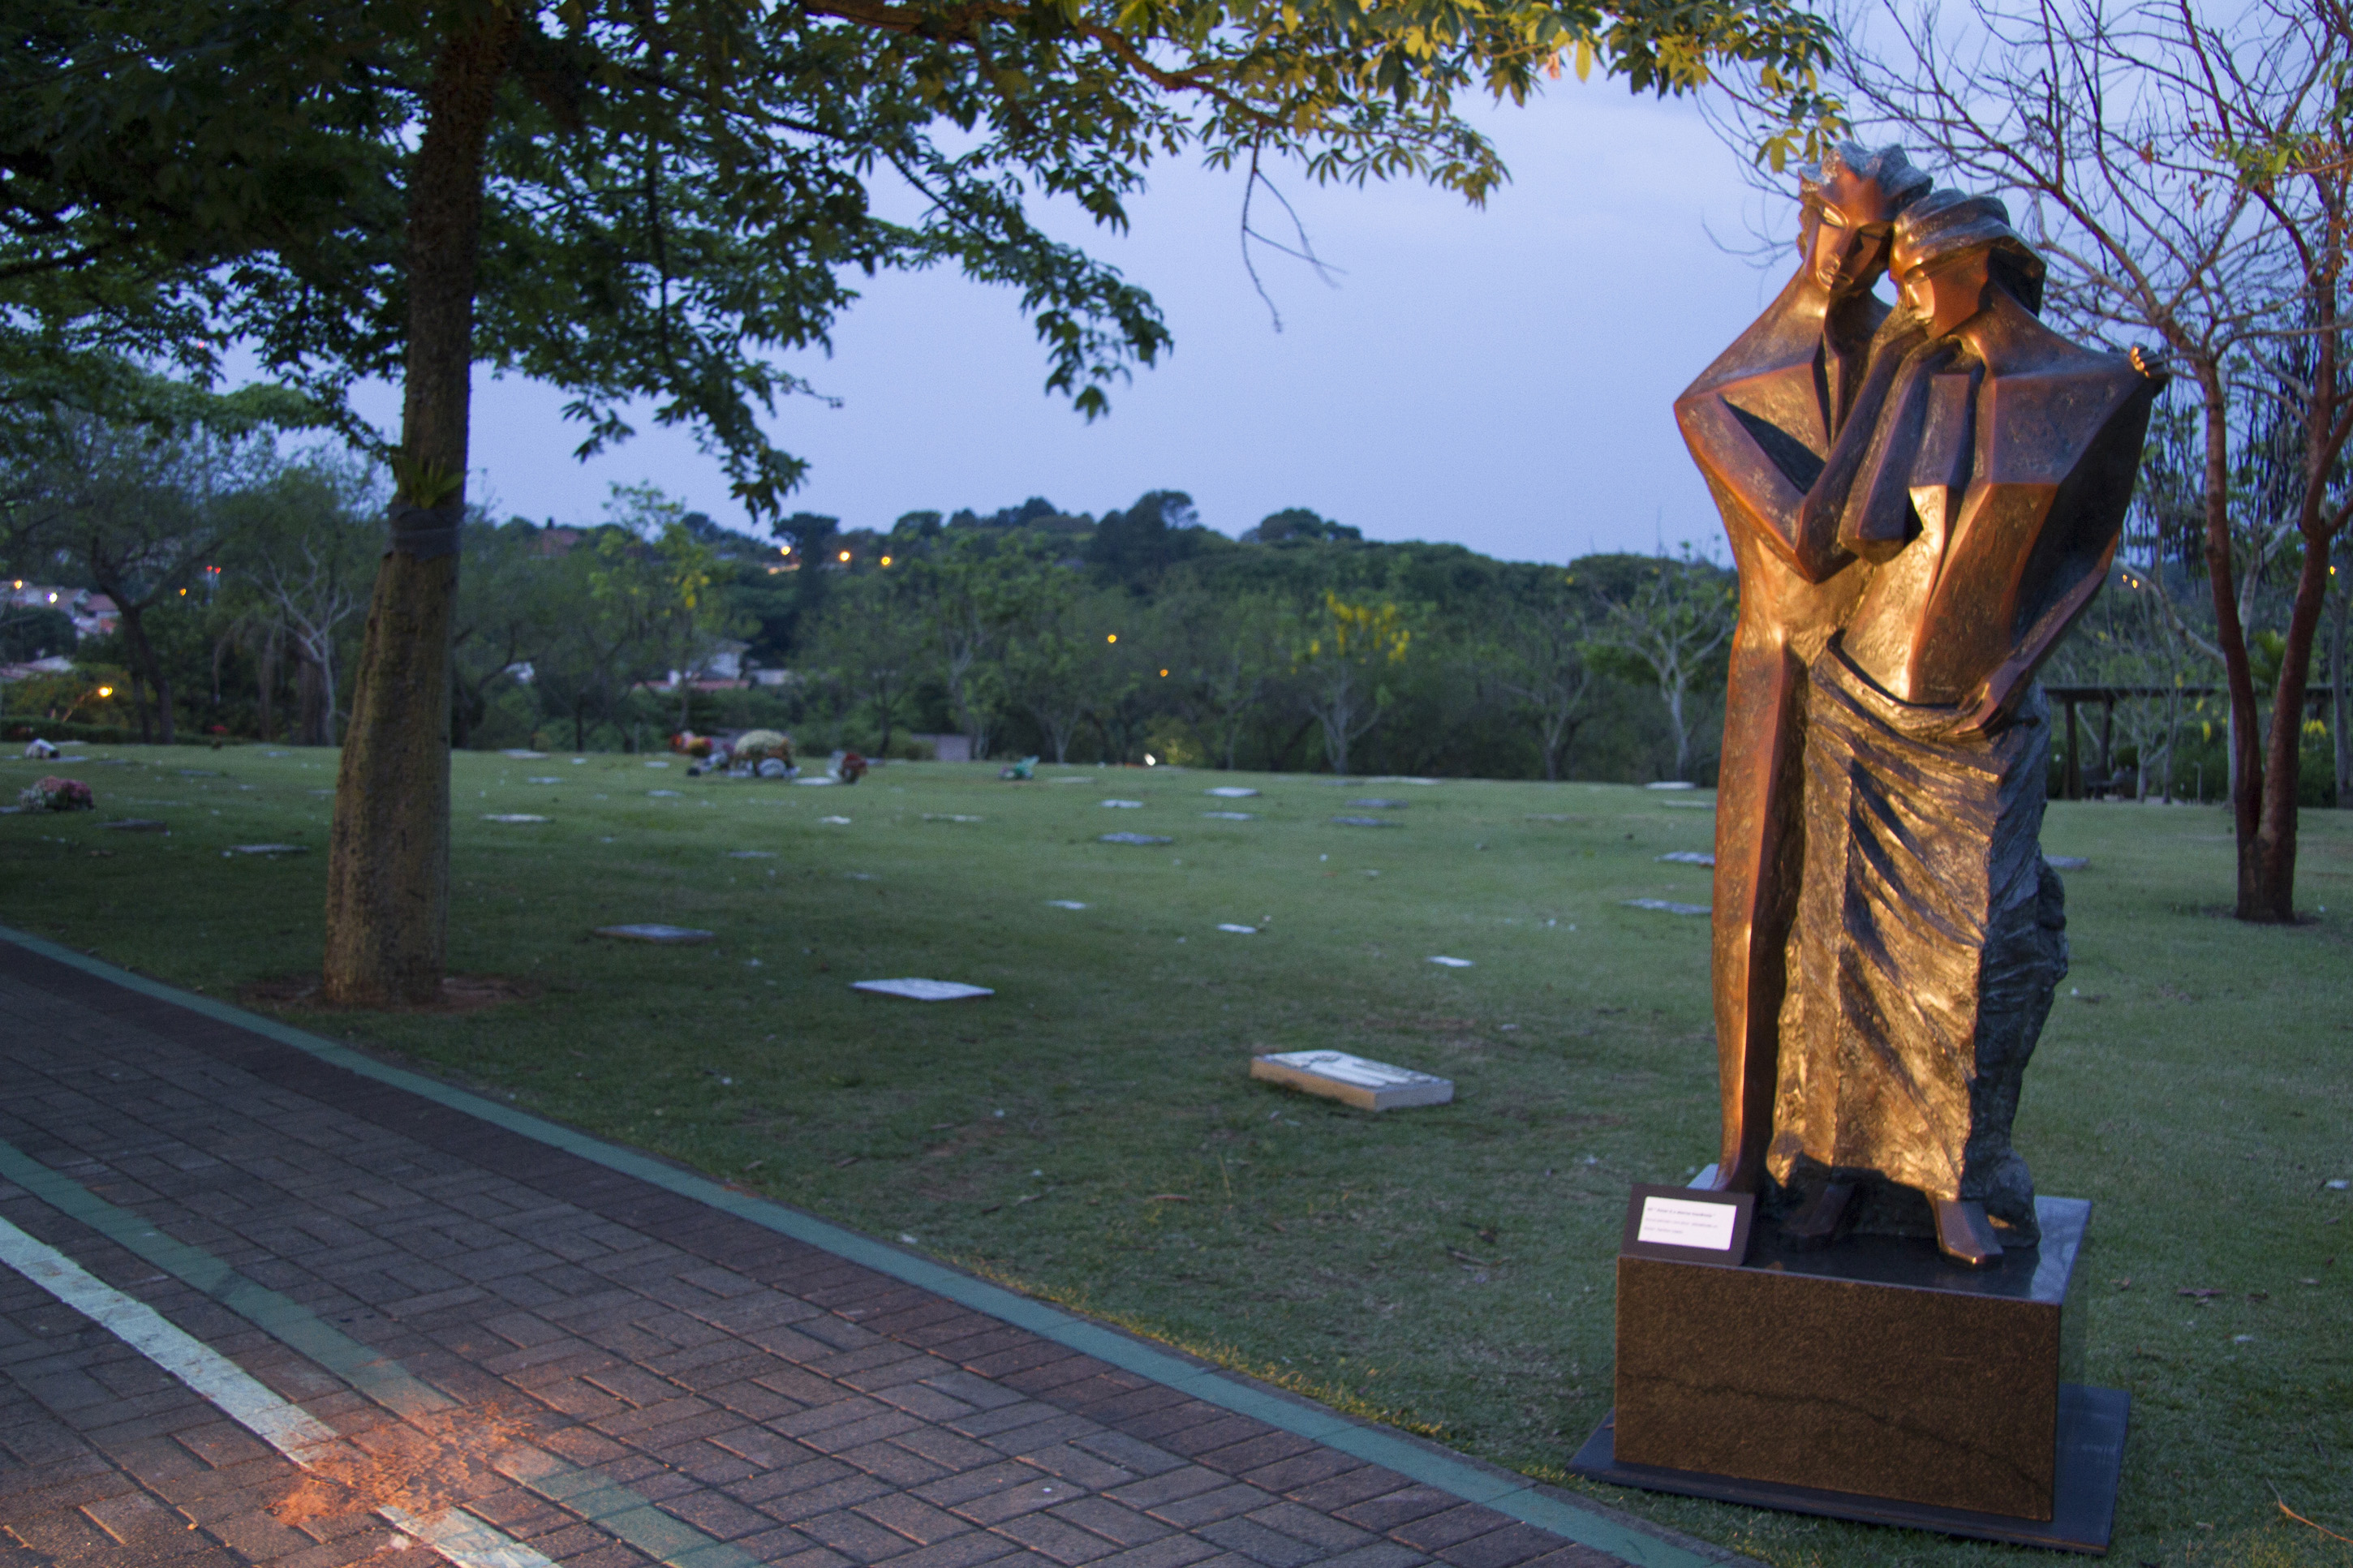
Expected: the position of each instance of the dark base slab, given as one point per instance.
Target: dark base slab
(2091, 1455)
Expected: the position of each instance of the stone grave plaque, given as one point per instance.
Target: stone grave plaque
(136, 824)
(1231, 792)
(1690, 857)
(1064, 904)
(1135, 838)
(1362, 822)
(1124, 805)
(1231, 815)
(1238, 931)
(1352, 1081)
(1443, 962)
(2067, 862)
(656, 932)
(511, 817)
(268, 849)
(916, 990)
(1666, 905)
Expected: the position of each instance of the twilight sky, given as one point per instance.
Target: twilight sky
(1498, 378)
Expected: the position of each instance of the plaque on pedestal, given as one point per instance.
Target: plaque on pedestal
(1876, 1380)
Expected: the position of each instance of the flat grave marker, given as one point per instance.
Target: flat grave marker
(1666, 905)
(2067, 862)
(511, 817)
(1124, 805)
(1232, 816)
(1376, 803)
(1440, 958)
(270, 849)
(1238, 931)
(834, 821)
(1231, 792)
(919, 990)
(136, 824)
(1352, 1081)
(1135, 838)
(654, 931)
(1064, 904)
(1362, 822)
(1690, 857)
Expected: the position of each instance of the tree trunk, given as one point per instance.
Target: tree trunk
(2338, 740)
(388, 867)
(2231, 637)
(143, 663)
(266, 685)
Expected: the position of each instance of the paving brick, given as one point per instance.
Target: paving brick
(1072, 1463)
(1385, 1513)
(1025, 1495)
(1354, 1485)
(1259, 1544)
(958, 1552)
(1128, 1453)
(891, 1463)
(1062, 1542)
(1227, 1502)
(716, 1514)
(1435, 1531)
(1320, 1529)
(918, 1520)
(1390, 1554)
(1506, 1548)
(1113, 1521)
(853, 1535)
(1171, 1486)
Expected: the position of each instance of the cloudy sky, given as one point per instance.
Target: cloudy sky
(1499, 378)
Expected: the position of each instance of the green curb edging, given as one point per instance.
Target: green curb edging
(1519, 1499)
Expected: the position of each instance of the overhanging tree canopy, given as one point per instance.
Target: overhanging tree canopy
(648, 200)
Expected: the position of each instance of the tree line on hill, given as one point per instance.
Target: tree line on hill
(238, 573)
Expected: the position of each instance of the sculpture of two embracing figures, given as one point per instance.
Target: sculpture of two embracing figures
(1921, 499)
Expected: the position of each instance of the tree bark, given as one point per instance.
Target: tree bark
(388, 866)
(2231, 637)
(147, 672)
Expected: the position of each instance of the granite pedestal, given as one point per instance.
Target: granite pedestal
(1873, 1379)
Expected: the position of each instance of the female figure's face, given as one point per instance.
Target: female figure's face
(1947, 290)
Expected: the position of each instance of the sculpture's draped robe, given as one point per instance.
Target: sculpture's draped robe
(1928, 938)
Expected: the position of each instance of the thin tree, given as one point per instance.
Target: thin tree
(1668, 632)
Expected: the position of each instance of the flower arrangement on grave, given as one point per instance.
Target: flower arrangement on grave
(851, 769)
(54, 794)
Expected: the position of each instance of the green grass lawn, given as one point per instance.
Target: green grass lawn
(1091, 1132)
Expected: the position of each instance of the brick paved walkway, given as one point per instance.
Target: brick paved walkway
(608, 1371)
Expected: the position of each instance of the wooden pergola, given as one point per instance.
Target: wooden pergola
(2106, 698)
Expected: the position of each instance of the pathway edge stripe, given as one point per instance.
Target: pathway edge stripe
(1457, 1476)
(380, 1377)
(239, 1395)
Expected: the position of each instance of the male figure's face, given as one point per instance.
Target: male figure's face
(1848, 250)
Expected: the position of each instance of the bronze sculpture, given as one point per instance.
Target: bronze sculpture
(1917, 517)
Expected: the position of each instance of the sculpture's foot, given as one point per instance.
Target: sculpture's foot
(1964, 1234)
(1818, 1224)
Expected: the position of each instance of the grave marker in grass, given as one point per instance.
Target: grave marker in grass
(1135, 838)
(1352, 1081)
(666, 935)
(919, 990)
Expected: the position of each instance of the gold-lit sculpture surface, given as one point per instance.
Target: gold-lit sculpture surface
(1920, 501)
